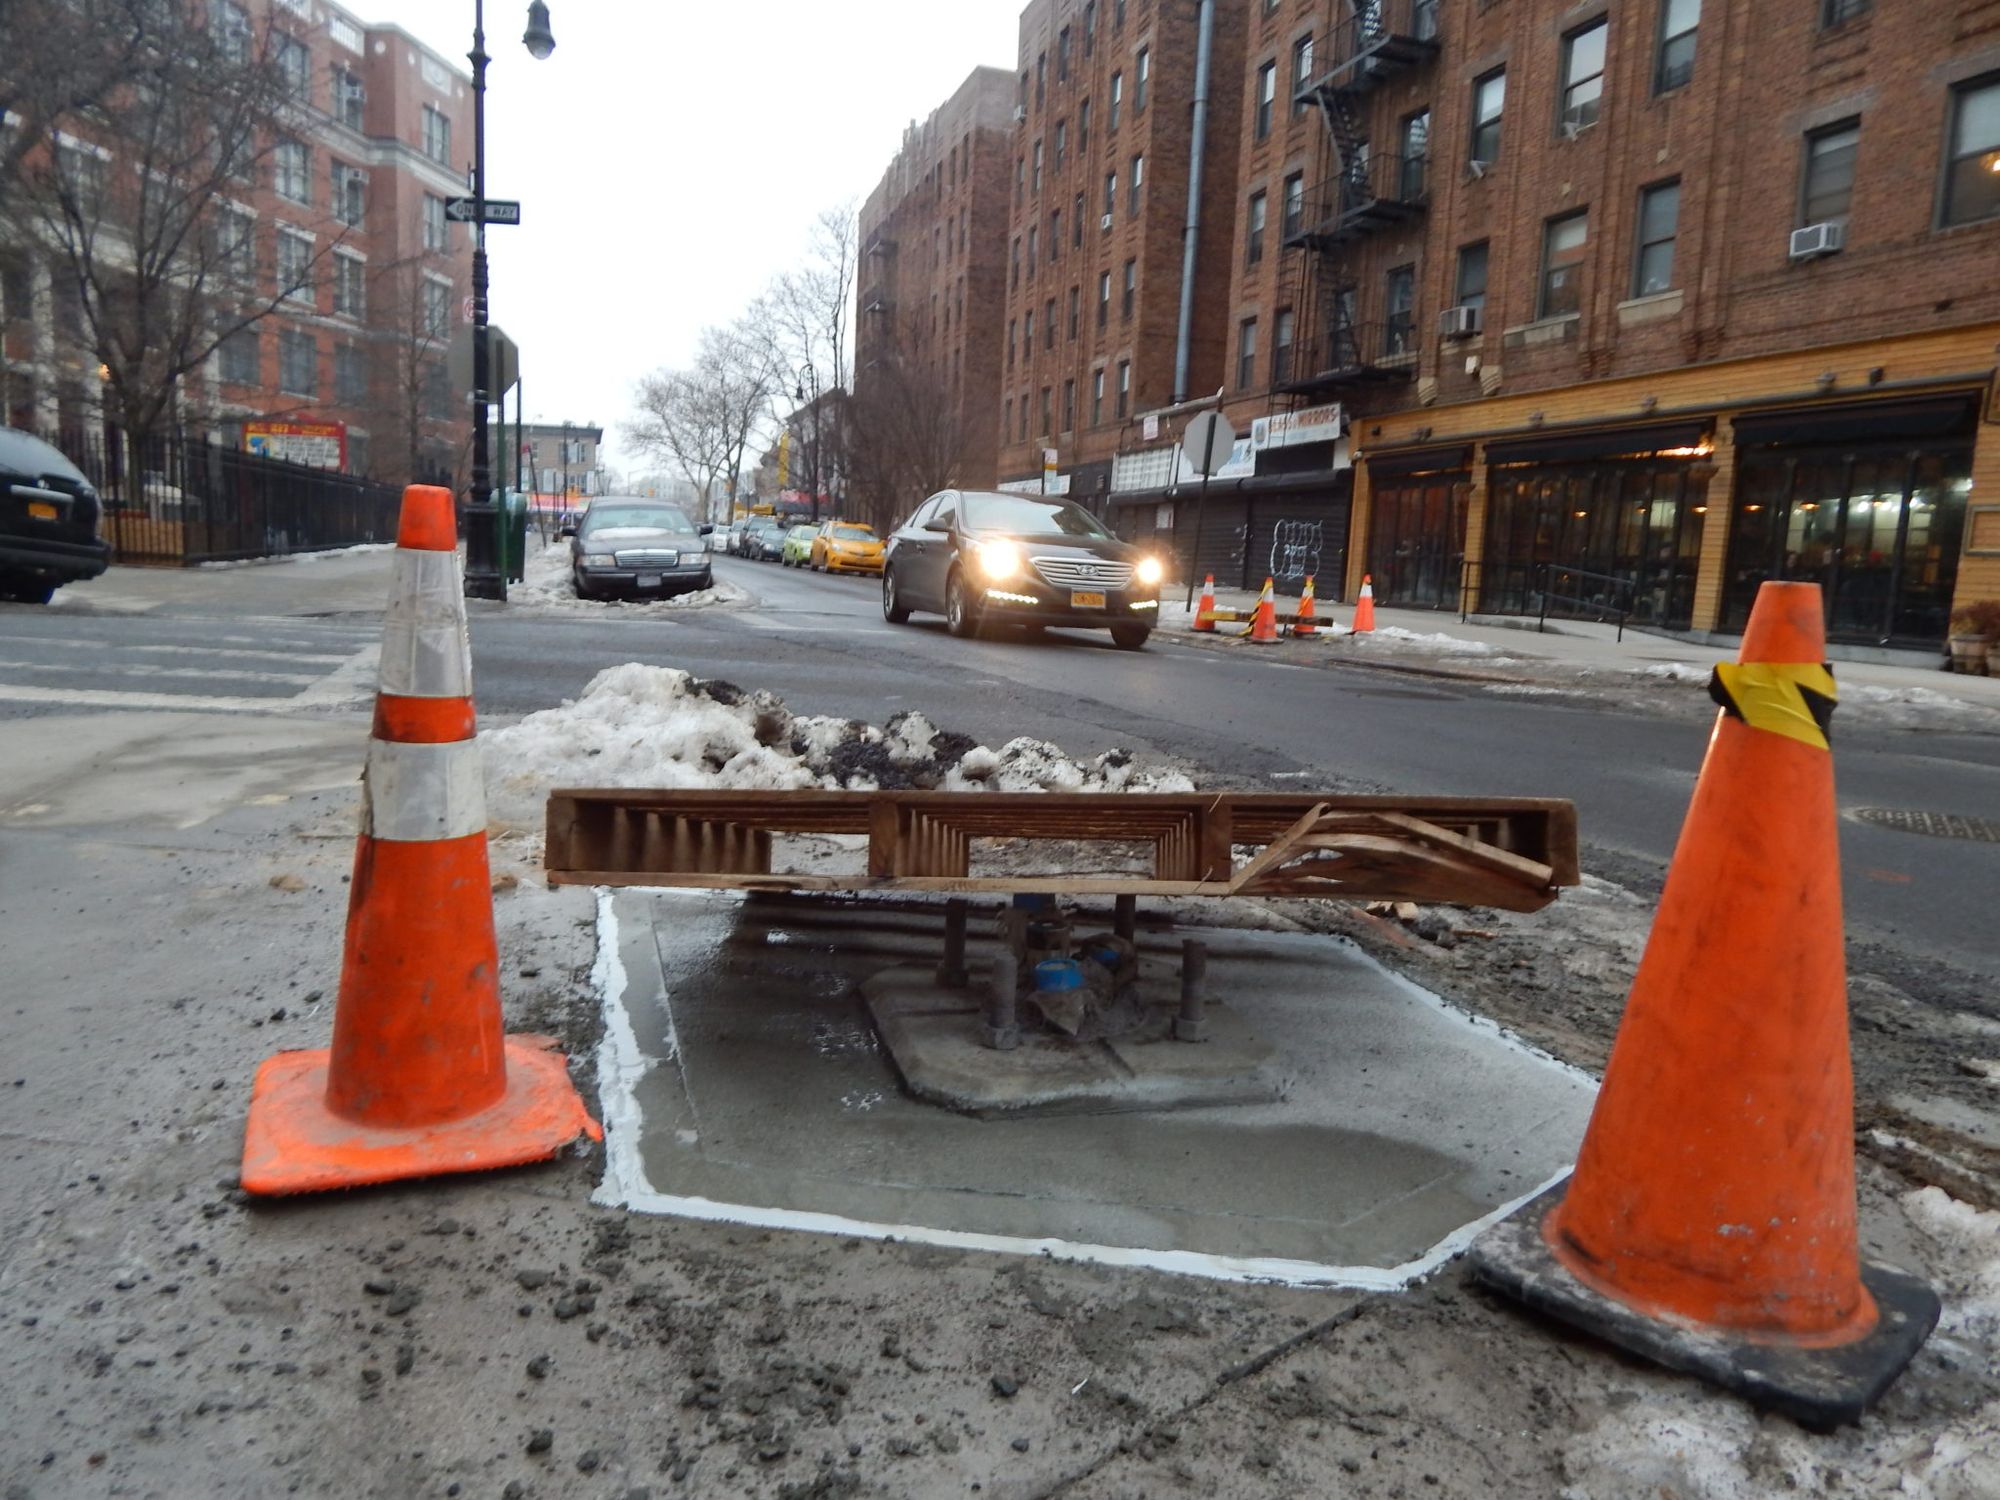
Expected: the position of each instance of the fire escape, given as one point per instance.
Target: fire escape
(1355, 337)
(877, 331)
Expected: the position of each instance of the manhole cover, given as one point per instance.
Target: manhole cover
(1937, 825)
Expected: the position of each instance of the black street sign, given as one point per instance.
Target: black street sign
(498, 211)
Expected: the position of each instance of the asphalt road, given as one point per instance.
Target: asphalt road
(291, 640)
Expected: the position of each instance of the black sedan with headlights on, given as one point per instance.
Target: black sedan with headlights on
(637, 549)
(981, 558)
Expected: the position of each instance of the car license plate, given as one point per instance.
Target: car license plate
(41, 510)
(649, 580)
(1081, 599)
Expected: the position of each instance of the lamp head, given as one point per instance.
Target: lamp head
(538, 39)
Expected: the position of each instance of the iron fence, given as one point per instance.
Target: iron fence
(179, 501)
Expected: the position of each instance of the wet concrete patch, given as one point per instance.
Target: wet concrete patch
(743, 1082)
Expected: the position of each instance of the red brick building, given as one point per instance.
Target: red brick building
(930, 284)
(346, 218)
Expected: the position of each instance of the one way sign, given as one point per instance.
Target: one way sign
(498, 211)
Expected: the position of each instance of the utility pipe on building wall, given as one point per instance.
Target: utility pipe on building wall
(1191, 233)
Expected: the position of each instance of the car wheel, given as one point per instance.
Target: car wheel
(1130, 637)
(961, 617)
(27, 591)
(893, 608)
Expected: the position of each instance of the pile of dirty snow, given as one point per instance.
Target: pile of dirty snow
(546, 584)
(1430, 641)
(641, 726)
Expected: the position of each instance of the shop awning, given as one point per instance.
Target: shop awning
(1419, 461)
(1616, 442)
(1911, 419)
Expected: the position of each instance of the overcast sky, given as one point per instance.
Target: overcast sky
(670, 157)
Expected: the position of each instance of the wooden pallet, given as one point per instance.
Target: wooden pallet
(1511, 853)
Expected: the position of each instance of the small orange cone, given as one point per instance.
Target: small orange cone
(1364, 607)
(1303, 628)
(1264, 624)
(420, 1078)
(1710, 1222)
(1204, 609)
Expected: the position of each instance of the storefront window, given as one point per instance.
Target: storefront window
(1878, 530)
(1416, 539)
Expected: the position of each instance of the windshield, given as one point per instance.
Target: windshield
(601, 517)
(853, 534)
(1024, 515)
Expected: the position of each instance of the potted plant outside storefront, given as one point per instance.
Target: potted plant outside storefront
(1975, 637)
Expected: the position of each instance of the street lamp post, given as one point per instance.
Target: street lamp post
(483, 578)
(809, 380)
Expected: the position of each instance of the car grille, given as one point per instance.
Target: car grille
(1083, 573)
(648, 558)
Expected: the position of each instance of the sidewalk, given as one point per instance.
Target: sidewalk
(1575, 656)
(346, 580)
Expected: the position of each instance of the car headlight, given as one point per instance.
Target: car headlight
(998, 559)
(1150, 570)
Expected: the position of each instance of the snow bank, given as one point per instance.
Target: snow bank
(546, 585)
(658, 727)
(1431, 641)
(303, 557)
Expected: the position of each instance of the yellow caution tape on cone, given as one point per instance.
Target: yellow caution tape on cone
(1794, 699)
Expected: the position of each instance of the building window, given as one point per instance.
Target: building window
(1142, 74)
(1469, 290)
(240, 362)
(437, 228)
(350, 283)
(1840, 12)
(1399, 333)
(1131, 291)
(1246, 354)
(298, 363)
(1014, 262)
(1020, 179)
(1829, 173)
(1097, 398)
(437, 309)
(294, 62)
(1136, 181)
(1124, 386)
(1281, 347)
(1034, 251)
(1302, 66)
(1075, 312)
(1062, 143)
(1117, 15)
(1267, 93)
(1055, 235)
(1062, 54)
(1416, 142)
(1007, 418)
(237, 243)
(1294, 204)
(1083, 126)
(1104, 300)
(292, 171)
(232, 30)
(1047, 423)
(1659, 226)
(1069, 406)
(1089, 27)
(1117, 99)
(1675, 67)
(350, 194)
(295, 253)
(1583, 77)
(1041, 78)
(350, 375)
(437, 392)
(1253, 249)
(1076, 224)
(1035, 177)
(1013, 327)
(1049, 324)
(1972, 172)
(1562, 265)
(1024, 416)
(350, 98)
(1110, 194)
(1489, 98)
(1028, 334)
(437, 135)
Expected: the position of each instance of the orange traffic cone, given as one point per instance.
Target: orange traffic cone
(1264, 623)
(1364, 607)
(1204, 609)
(1710, 1222)
(420, 1079)
(1303, 627)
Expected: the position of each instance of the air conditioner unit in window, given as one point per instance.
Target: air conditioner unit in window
(1105, 222)
(1477, 168)
(1458, 322)
(1020, 113)
(1818, 239)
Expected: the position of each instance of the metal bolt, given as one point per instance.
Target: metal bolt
(1189, 1025)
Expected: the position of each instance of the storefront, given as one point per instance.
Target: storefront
(1416, 532)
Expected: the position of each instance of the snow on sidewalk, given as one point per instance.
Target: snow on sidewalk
(547, 585)
(323, 555)
(643, 726)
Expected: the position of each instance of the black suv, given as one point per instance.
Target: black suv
(980, 557)
(48, 521)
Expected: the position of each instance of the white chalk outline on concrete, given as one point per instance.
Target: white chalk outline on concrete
(621, 1064)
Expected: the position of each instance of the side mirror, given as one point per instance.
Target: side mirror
(707, 528)
(943, 527)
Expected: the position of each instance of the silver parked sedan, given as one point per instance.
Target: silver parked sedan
(637, 549)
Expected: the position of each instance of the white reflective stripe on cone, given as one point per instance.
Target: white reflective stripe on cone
(416, 793)
(425, 653)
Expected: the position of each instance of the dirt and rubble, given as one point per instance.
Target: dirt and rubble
(500, 1336)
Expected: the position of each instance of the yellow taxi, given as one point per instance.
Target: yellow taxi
(846, 547)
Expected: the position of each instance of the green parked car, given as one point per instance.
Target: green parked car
(798, 547)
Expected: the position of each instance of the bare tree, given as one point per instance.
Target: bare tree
(806, 318)
(409, 389)
(60, 59)
(138, 207)
(703, 419)
(906, 440)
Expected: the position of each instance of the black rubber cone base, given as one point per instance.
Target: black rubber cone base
(1817, 1388)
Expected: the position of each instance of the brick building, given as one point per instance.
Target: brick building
(1099, 210)
(930, 284)
(560, 458)
(345, 217)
